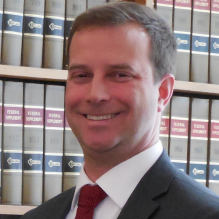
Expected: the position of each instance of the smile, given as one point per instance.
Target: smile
(103, 117)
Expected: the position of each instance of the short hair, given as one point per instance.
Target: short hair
(163, 44)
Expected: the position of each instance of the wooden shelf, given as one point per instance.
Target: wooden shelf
(15, 209)
(43, 74)
(196, 88)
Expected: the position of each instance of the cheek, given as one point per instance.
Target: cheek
(146, 103)
(72, 97)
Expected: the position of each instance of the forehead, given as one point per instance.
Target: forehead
(129, 35)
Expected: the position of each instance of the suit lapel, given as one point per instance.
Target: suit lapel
(61, 206)
(142, 202)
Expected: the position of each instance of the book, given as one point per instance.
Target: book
(214, 148)
(1, 89)
(73, 158)
(164, 128)
(12, 32)
(33, 33)
(214, 47)
(199, 138)
(92, 3)
(73, 9)
(33, 144)
(54, 133)
(1, 20)
(182, 32)
(200, 41)
(165, 10)
(54, 34)
(12, 143)
(179, 132)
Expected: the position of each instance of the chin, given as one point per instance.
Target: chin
(98, 146)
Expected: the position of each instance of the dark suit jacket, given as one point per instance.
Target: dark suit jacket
(163, 193)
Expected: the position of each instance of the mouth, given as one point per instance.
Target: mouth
(102, 117)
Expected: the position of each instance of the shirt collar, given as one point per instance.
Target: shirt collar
(120, 181)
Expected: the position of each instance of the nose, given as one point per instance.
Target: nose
(98, 91)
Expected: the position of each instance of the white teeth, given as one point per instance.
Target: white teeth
(104, 117)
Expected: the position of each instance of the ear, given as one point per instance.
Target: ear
(165, 91)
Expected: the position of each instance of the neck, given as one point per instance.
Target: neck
(96, 166)
(98, 163)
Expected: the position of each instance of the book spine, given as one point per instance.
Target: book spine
(214, 148)
(54, 127)
(179, 132)
(54, 34)
(73, 9)
(1, 91)
(12, 32)
(165, 10)
(1, 21)
(73, 158)
(92, 3)
(33, 144)
(33, 33)
(214, 47)
(164, 127)
(200, 41)
(182, 32)
(12, 143)
(198, 142)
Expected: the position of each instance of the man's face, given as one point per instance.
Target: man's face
(112, 102)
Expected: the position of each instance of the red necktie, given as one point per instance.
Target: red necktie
(89, 198)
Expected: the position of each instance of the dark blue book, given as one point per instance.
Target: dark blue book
(33, 33)
(199, 140)
(12, 32)
(33, 144)
(179, 131)
(54, 132)
(182, 32)
(214, 47)
(12, 143)
(214, 148)
(73, 9)
(200, 41)
(1, 20)
(73, 158)
(54, 34)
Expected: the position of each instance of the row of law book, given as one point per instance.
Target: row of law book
(40, 156)
(195, 24)
(34, 32)
(190, 134)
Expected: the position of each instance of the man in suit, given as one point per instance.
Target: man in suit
(121, 67)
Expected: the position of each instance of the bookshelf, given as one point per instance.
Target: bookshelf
(29, 73)
(15, 210)
(59, 76)
(53, 75)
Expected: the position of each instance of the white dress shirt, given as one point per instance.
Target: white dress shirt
(119, 182)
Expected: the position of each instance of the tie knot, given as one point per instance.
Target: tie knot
(91, 196)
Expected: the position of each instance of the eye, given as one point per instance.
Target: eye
(120, 76)
(79, 77)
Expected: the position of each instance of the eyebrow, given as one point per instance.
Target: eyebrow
(121, 66)
(77, 66)
(111, 67)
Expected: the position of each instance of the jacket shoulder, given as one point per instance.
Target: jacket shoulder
(55, 208)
